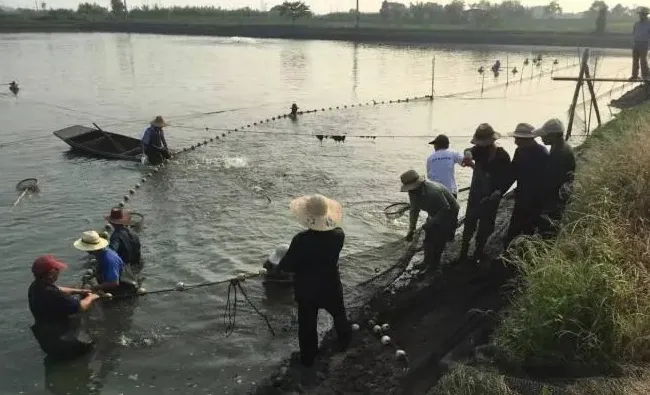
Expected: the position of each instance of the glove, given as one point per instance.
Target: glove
(409, 236)
(144, 159)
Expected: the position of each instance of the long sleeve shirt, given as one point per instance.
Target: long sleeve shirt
(313, 257)
(491, 173)
(528, 168)
(154, 137)
(641, 31)
(436, 200)
(440, 168)
(561, 169)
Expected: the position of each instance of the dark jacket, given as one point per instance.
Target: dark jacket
(491, 173)
(313, 257)
(127, 245)
(560, 173)
(529, 168)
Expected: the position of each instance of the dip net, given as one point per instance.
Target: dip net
(396, 210)
(28, 184)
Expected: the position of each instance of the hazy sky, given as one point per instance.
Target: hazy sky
(318, 6)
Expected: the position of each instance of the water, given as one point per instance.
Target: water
(207, 216)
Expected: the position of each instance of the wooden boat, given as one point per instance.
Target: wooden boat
(97, 142)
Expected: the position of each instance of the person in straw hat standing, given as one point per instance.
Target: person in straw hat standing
(313, 257)
(560, 174)
(111, 273)
(442, 208)
(123, 240)
(528, 168)
(491, 165)
(641, 35)
(154, 145)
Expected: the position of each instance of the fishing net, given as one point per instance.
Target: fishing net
(396, 210)
(28, 184)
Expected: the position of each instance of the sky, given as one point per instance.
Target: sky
(318, 6)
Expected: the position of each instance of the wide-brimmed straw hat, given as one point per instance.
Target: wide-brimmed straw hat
(411, 180)
(552, 126)
(524, 131)
(276, 256)
(317, 212)
(485, 135)
(159, 122)
(643, 11)
(118, 217)
(90, 241)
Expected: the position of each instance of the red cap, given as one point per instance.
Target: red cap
(45, 264)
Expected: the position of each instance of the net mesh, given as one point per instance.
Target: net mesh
(396, 210)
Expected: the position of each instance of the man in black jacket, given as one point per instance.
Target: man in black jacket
(123, 240)
(313, 257)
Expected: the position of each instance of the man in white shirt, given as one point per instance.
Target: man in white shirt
(441, 162)
(640, 50)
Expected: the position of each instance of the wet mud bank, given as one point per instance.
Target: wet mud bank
(431, 318)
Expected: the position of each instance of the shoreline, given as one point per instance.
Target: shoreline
(306, 32)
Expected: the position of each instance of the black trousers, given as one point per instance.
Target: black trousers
(156, 155)
(482, 216)
(436, 238)
(640, 59)
(524, 221)
(308, 324)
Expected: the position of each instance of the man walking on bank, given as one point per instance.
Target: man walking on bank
(641, 35)
(442, 208)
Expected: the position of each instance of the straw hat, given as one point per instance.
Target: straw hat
(552, 126)
(118, 217)
(317, 212)
(158, 122)
(485, 135)
(276, 256)
(90, 241)
(411, 180)
(524, 131)
(643, 11)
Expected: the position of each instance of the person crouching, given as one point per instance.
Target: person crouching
(111, 274)
(55, 310)
(313, 257)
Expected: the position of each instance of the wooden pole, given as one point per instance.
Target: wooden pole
(572, 109)
(433, 76)
(507, 71)
(357, 16)
(592, 92)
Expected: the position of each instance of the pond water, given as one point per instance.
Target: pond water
(207, 215)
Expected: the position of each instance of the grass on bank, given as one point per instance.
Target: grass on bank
(585, 298)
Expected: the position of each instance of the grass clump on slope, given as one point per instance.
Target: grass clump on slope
(585, 298)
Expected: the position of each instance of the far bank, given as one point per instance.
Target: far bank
(306, 32)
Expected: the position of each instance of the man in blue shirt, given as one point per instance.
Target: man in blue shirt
(53, 308)
(154, 145)
(123, 240)
(111, 274)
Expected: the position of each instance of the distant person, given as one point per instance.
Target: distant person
(13, 87)
(313, 257)
(491, 165)
(442, 208)
(560, 172)
(441, 162)
(111, 274)
(641, 34)
(528, 168)
(54, 309)
(154, 145)
(294, 110)
(123, 240)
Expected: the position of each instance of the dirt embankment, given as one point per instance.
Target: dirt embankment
(428, 317)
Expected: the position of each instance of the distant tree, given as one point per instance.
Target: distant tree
(91, 9)
(596, 6)
(620, 11)
(294, 10)
(454, 11)
(601, 19)
(43, 6)
(117, 7)
(553, 8)
(384, 11)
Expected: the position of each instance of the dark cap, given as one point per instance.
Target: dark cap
(440, 140)
(45, 264)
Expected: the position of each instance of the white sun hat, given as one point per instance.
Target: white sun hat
(317, 212)
(90, 241)
(276, 256)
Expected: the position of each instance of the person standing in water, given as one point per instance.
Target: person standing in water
(441, 164)
(641, 33)
(313, 257)
(154, 145)
(123, 240)
(54, 308)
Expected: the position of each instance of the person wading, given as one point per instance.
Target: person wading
(442, 208)
(55, 308)
(528, 168)
(560, 174)
(641, 35)
(491, 165)
(154, 145)
(313, 257)
(441, 162)
(123, 240)
(111, 274)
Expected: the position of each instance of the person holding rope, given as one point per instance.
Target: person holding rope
(442, 208)
(440, 164)
(55, 308)
(313, 257)
(154, 145)
(123, 240)
(111, 274)
(491, 165)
